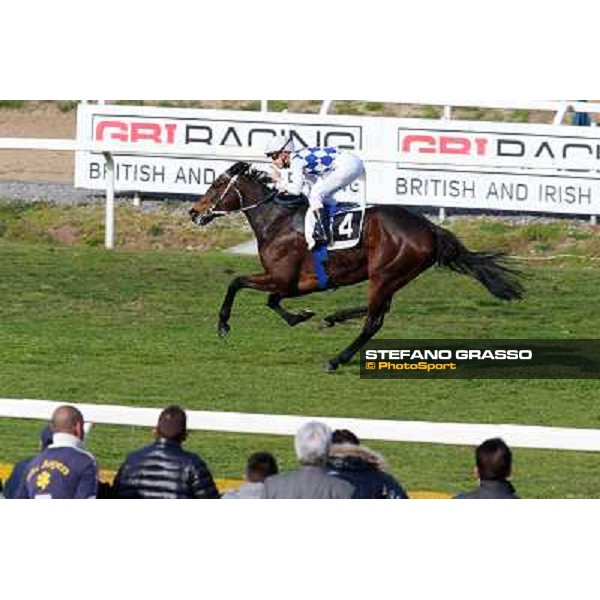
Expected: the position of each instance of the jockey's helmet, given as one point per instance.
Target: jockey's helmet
(277, 144)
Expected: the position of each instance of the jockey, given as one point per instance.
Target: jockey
(326, 170)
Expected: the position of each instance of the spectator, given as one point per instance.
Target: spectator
(581, 119)
(493, 469)
(362, 467)
(311, 480)
(17, 477)
(65, 469)
(260, 466)
(105, 490)
(164, 470)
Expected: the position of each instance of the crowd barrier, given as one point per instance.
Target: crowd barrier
(467, 434)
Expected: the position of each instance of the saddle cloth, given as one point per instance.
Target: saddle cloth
(345, 224)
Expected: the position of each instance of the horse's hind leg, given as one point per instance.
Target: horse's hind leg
(292, 319)
(380, 300)
(345, 315)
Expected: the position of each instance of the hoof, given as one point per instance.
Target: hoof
(307, 314)
(301, 317)
(223, 330)
(326, 324)
(331, 366)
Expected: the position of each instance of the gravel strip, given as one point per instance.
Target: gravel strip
(47, 192)
(66, 194)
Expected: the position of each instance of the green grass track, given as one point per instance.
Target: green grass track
(139, 328)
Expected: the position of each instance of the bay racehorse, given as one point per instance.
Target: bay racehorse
(396, 246)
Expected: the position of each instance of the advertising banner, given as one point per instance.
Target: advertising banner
(460, 164)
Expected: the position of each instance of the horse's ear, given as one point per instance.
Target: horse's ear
(238, 169)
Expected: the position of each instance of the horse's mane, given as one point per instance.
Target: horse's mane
(244, 168)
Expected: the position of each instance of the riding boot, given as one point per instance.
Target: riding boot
(321, 234)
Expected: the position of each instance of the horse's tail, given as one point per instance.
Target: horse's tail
(492, 270)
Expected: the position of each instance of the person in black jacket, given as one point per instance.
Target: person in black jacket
(494, 465)
(164, 469)
(362, 467)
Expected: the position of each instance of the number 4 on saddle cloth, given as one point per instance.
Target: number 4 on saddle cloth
(344, 220)
(345, 223)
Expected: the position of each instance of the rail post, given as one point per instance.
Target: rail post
(109, 221)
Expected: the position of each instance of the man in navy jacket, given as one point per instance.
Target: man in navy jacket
(164, 470)
(65, 469)
(12, 486)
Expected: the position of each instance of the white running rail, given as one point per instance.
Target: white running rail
(469, 434)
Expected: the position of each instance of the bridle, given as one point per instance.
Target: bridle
(213, 212)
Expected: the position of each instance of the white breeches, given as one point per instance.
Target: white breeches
(348, 168)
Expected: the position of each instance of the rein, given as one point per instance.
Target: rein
(242, 209)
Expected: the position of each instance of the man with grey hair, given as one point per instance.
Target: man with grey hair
(65, 469)
(311, 480)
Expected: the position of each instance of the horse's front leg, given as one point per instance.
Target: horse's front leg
(262, 282)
